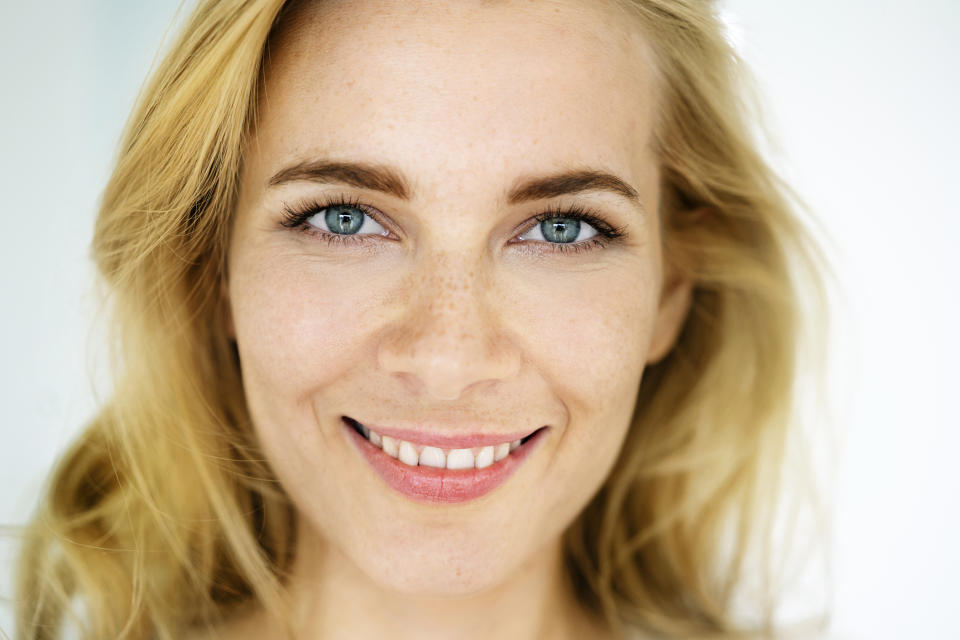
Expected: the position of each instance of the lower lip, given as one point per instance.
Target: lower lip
(429, 484)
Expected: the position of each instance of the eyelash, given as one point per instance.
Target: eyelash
(296, 218)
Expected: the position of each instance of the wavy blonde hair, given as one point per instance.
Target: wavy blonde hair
(129, 546)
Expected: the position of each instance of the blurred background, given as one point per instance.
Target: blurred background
(861, 98)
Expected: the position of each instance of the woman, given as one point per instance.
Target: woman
(387, 278)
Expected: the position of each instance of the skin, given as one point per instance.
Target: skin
(449, 322)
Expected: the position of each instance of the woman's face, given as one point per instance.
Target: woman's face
(432, 304)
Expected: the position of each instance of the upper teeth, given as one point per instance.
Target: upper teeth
(418, 454)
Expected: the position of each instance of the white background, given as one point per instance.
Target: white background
(862, 97)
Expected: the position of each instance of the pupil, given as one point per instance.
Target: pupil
(344, 220)
(563, 230)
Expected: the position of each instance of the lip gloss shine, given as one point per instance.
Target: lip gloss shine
(432, 485)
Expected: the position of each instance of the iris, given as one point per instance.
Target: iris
(562, 230)
(344, 219)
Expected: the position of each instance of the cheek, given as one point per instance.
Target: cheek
(287, 326)
(299, 329)
(301, 326)
(590, 342)
(590, 332)
(308, 334)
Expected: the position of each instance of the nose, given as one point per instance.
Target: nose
(449, 335)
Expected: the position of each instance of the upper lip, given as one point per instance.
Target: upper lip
(428, 435)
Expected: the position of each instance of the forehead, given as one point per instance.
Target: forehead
(471, 88)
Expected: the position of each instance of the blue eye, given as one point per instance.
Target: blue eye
(345, 219)
(346, 222)
(559, 230)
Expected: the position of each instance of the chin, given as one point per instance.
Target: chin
(444, 570)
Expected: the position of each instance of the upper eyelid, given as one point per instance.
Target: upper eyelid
(581, 213)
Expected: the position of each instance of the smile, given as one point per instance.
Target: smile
(430, 472)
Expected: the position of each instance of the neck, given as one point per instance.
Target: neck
(332, 599)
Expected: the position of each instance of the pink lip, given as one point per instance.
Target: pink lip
(428, 484)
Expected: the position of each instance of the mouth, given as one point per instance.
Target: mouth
(431, 472)
(415, 453)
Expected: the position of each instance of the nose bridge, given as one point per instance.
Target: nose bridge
(450, 336)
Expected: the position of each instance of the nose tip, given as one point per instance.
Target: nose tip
(445, 362)
(450, 339)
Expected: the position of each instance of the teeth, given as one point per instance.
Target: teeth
(433, 457)
(485, 458)
(459, 459)
(455, 459)
(391, 447)
(408, 455)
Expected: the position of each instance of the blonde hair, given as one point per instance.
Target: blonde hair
(150, 551)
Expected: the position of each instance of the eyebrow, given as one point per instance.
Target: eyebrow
(387, 180)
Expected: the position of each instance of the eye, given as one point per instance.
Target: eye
(337, 221)
(560, 230)
(345, 220)
(570, 230)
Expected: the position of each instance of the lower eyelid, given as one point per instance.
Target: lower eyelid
(594, 242)
(538, 247)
